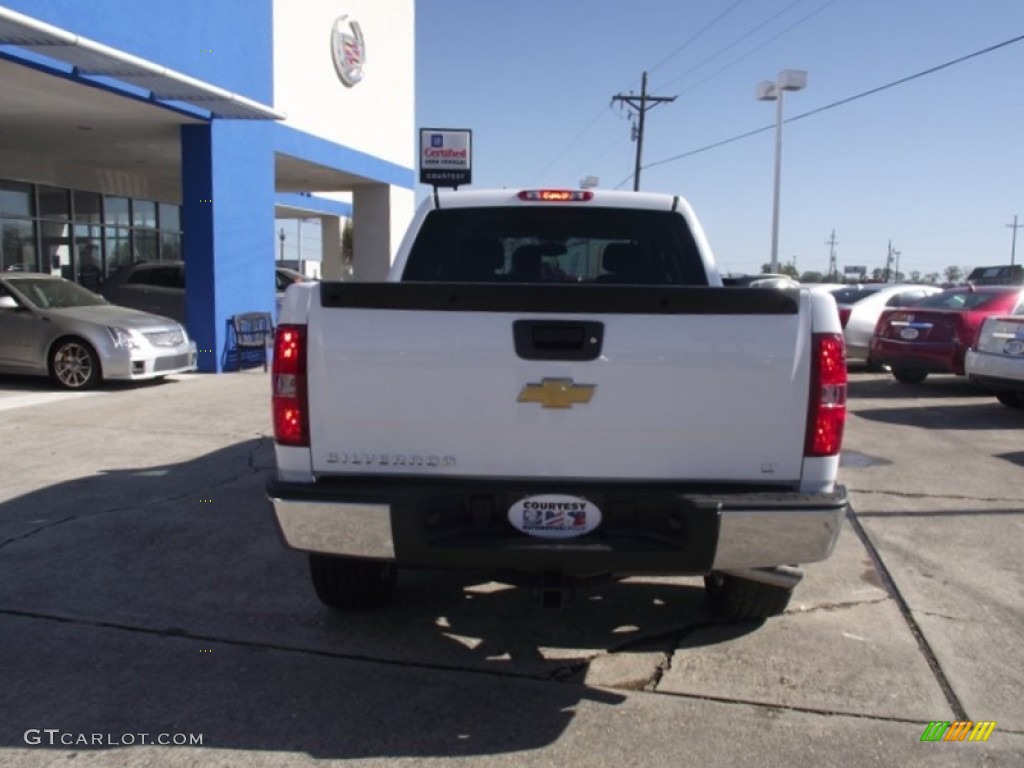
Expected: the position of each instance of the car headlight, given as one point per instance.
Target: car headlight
(122, 337)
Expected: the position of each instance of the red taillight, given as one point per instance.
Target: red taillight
(290, 402)
(844, 316)
(556, 195)
(827, 411)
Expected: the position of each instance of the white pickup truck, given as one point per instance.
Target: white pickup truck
(553, 386)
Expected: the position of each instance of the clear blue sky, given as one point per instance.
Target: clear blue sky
(936, 164)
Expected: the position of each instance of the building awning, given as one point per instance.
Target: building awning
(90, 58)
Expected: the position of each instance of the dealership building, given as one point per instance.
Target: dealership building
(142, 131)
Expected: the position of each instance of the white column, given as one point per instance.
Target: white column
(380, 216)
(371, 232)
(330, 248)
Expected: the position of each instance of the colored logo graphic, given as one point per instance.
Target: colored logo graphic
(436, 140)
(959, 730)
(557, 393)
(348, 51)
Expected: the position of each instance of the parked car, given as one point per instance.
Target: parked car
(933, 334)
(53, 327)
(860, 307)
(996, 361)
(159, 286)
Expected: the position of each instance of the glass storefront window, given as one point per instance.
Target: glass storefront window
(146, 245)
(15, 199)
(144, 213)
(87, 208)
(56, 243)
(17, 246)
(119, 249)
(89, 251)
(170, 217)
(54, 203)
(115, 211)
(170, 246)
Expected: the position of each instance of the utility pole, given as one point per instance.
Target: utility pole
(1013, 244)
(641, 104)
(888, 263)
(833, 269)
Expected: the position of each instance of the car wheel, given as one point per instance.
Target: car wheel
(74, 365)
(1010, 399)
(350, 583)
(908, 375)
(737, 598)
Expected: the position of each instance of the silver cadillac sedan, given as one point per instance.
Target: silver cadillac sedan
(52, 327)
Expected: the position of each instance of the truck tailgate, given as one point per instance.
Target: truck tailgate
(703, 384)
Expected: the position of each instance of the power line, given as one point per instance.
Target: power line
(755, 49)
(572, 143)
(700, 32)
(675, 52)
(907, 79)
(835, 104)
(733, 44)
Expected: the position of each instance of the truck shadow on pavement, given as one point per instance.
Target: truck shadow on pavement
(988, 414)
(161, 600)
(884, 386)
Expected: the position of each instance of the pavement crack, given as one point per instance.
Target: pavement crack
(939, 496)
(184, 634)
(836, 606)
(40, 529)
(890, 586)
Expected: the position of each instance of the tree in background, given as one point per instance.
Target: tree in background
(953, 274)
(812, 277)
(789, 270)
(347, 247)
(915, 276)
(932, 278)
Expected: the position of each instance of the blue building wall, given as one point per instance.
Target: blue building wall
(228, 218)
(228, 43)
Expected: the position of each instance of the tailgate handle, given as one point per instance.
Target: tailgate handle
(557, 339)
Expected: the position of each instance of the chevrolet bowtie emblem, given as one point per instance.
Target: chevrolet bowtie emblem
(557, 393)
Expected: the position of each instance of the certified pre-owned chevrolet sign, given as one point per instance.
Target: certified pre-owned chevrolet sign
(557, 393)
(446, 157)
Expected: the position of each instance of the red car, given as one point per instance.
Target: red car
(932, 335)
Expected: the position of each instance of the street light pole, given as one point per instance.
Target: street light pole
(778, 180)
(788, 80)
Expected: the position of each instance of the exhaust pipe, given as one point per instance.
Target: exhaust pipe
(785, 576)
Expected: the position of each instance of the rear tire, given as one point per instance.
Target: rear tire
(908, 375)
(1010, 399)
(740, 599)
(352, 584)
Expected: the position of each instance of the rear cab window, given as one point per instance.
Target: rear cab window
(959, 300)
(541, 245)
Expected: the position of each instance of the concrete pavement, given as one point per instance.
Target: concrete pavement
(144, 589)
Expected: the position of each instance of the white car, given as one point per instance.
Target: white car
(997, 359)
(861, 305)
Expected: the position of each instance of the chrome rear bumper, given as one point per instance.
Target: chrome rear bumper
(753, 530)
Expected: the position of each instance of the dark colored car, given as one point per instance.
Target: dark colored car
(159, 287)
(932, 335)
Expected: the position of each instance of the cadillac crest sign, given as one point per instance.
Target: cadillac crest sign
(348, 50)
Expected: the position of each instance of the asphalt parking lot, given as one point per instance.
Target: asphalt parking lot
(144, 590)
